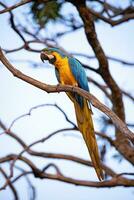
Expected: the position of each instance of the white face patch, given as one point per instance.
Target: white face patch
(50, 56)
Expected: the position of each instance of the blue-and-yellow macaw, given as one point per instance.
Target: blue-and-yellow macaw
(69, 71)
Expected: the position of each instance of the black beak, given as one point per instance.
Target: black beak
(44, 56)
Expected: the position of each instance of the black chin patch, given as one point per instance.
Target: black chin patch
(52, 60)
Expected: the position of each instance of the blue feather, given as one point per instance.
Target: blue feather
(80, 76)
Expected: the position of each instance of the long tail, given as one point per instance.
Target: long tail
(85, 125)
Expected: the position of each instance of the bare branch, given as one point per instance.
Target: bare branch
(103, 70)
(15, 6)
(28, 149)
(111, 183)
(32, 191)
(101, 87)
(54, 166)
(125, 18)
(119, 60)
(114, 182)
(10, 184)
(14, 27)
(127, 94)
(36, 107)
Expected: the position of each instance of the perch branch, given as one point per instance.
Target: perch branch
(65, 88)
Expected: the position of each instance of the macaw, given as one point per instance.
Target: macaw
(69, 71)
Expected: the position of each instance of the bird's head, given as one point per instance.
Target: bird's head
(51, 54)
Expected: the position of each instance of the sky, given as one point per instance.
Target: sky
(17, 97)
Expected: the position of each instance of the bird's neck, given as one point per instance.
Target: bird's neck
(60, 61)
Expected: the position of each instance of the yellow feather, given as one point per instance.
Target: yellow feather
(85, 125)
(65, 74)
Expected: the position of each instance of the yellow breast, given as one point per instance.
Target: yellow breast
(66, 76)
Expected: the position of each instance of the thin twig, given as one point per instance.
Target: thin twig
(15, 6)
(8, 182)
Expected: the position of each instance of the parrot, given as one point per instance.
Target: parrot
(69, 71)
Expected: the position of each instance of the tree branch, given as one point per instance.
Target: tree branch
(72, 158)
(103, 70)
(65, 88)
(114, 182)
(15, 6)
(10, 185)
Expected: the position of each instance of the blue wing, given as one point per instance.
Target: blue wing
(79, 73)
(80, 76)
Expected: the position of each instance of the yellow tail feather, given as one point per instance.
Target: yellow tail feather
(85, 125)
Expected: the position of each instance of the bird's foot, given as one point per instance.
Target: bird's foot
(57, 87)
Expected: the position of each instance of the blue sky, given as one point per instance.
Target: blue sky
(17, 97)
